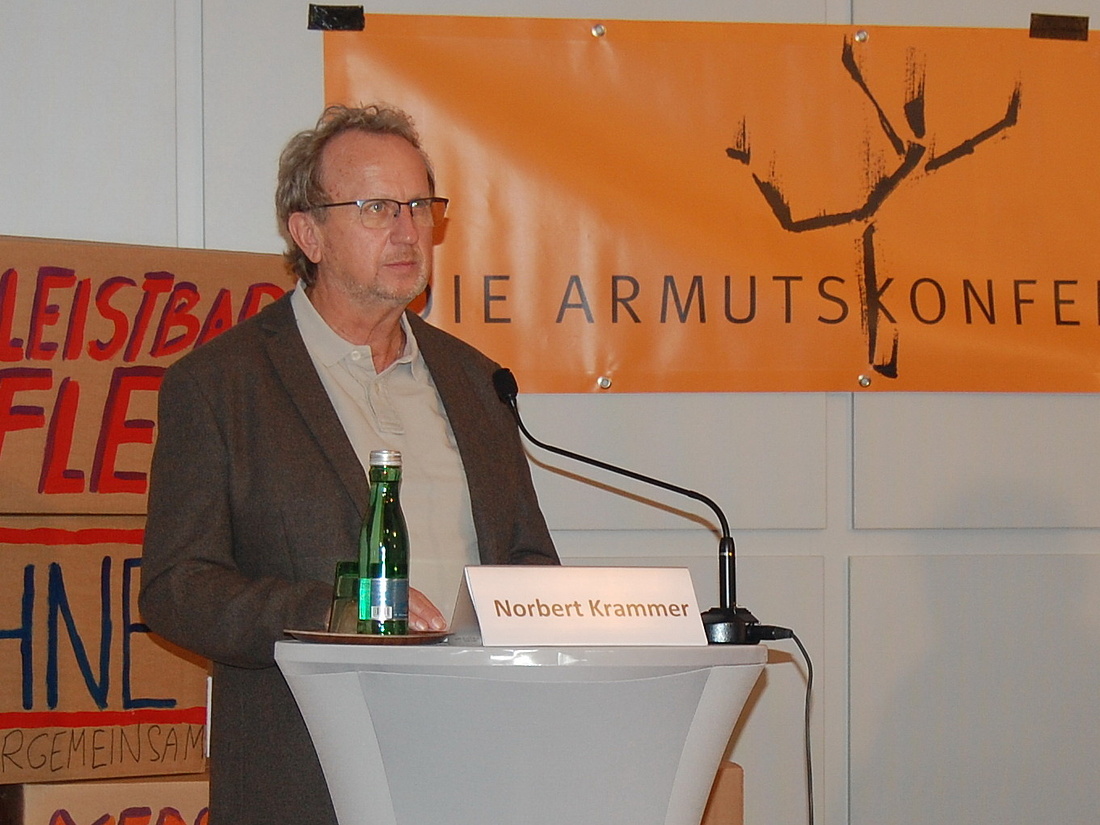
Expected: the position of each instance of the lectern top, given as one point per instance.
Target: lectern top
(642, 661)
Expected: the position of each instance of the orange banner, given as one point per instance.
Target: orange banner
(655, 206)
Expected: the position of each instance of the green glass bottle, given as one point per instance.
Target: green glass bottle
(384, 551)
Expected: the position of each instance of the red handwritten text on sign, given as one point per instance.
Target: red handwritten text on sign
(86, 332)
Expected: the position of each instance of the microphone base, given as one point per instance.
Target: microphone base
(729, 626)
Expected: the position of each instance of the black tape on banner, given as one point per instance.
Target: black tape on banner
(1059, 27)
(336, 18)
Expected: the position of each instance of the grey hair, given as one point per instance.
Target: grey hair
(299, 187)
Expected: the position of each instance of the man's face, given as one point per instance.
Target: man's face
(390, 265)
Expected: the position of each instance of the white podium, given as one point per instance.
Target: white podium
(442, 735)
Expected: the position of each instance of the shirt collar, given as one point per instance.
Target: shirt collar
(330, 349)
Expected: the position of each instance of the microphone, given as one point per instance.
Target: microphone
(726, 624)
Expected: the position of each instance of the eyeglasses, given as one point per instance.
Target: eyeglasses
(378, 213)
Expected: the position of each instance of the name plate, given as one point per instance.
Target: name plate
(537, 605)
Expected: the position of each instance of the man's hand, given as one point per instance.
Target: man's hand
(423, 615)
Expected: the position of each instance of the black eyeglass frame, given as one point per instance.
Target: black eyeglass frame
(431, 202)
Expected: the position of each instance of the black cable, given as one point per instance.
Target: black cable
(806, 722)
(767, 633)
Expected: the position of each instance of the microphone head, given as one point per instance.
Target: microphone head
(505, 385)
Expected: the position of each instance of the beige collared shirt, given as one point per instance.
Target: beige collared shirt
(400, 409)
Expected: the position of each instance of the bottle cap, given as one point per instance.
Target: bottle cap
(385, 458)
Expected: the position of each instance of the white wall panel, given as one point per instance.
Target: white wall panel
(87, 121)
(973, 460)
(189, 120)
(1010, 14)
(973, 690)
(264, 81)
(760, 457)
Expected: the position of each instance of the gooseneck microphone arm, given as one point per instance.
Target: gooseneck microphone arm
(725, 624)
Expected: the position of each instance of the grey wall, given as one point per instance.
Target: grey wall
(937, 553)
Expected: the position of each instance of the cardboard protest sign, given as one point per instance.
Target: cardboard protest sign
(182, 800)
(85, 690)
(86, 332)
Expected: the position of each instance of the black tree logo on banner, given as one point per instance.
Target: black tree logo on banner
(913, 155)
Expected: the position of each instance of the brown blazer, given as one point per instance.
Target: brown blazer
(255, 494)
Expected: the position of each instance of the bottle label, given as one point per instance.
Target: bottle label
(389, 600)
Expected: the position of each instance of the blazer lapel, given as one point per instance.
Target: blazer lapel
(467, 415)
(291, 362)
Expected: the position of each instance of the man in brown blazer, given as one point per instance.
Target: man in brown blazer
(258, 486)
